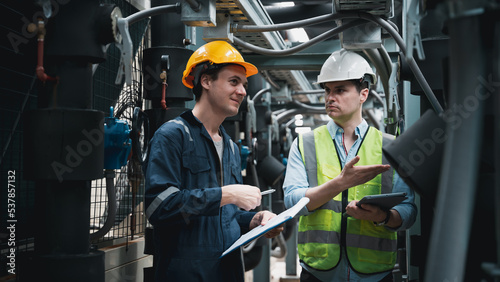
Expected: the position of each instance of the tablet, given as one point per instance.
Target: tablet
(384, 201)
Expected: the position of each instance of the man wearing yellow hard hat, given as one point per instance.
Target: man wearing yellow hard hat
(194, 194)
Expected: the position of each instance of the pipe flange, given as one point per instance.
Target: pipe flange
(116, 14)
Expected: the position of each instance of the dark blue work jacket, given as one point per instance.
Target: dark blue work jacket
(182, 196)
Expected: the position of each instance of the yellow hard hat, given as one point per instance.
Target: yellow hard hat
(215, 52)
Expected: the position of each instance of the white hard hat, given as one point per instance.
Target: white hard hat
(345, 65)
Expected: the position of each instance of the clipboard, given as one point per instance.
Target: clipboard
(272, 223)
(384, 201)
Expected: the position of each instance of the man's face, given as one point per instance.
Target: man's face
(228, 91)
(343, 101)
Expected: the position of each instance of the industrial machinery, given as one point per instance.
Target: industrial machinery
(87, 84)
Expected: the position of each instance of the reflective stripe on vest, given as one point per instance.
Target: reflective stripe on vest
(370, 248)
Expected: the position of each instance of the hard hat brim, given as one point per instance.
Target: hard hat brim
(250, 70)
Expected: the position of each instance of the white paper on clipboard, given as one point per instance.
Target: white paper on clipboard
(272, 223)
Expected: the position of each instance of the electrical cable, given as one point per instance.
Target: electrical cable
(411, 61)
(386, 25)
(195, 5)
(268, 78)
(305, 106)
(260, 93)
(152, 12)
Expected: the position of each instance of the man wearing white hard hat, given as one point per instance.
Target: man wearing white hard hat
(335, 166)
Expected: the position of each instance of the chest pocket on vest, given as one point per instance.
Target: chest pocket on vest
(198, 169)
(327, 172)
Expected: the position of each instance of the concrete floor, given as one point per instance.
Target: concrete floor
(278, 272)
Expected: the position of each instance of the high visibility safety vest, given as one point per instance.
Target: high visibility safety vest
(323, 233)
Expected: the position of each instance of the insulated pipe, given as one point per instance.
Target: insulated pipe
(381, 101)
(300, 47)
(411, 61)
(195, 5)
(387, 25)
(72, 144)
(280, 239)
(384, 69)
(152, 12)
(295, 24)
(305, 106)
(110, 219)
(268, 78)
(497, 147)
(317, 91)
(373, 118)
(460, 166)
(260, 93)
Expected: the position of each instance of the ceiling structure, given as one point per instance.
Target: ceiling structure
(298, 70)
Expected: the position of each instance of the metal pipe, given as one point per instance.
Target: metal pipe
(383, 70)
(411, 61)
(305, 106)
(195, 5)
(460, 166)
(381, 101)
(112, 206)
(318, 91)
(152, 12)
(300, 47)
(281, 253)
(372, 117)
(292, 112)
(387, 25)
(295, 24)
(268, 78)
(497, 151)
(260, 93)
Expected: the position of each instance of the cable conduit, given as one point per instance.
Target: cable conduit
(110, 219)
(386, 25)
(300, 47)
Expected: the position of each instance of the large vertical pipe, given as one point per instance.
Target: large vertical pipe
(64, 144)
(167, 41)
(167, 29)
(460, 165)
(496, 152)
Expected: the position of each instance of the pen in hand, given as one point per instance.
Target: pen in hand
(267, 192)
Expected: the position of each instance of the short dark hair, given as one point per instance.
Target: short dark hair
(213, 73)
(360, 84)
(209, 69)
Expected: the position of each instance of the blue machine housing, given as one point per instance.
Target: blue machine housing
(117, 142)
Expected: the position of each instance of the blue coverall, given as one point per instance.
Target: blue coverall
(182, 197)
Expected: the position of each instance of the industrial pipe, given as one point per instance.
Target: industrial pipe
(387, 25)
(301, 46)
(112, 206)
(40, 29)
(460, 165)
(152, 12)
(281, 253)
